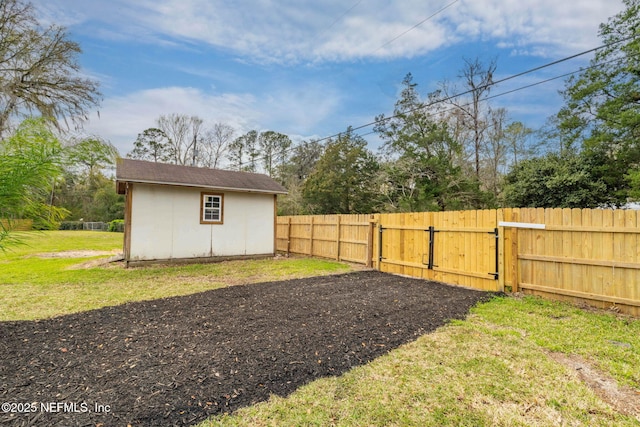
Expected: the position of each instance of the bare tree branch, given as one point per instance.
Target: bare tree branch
(39, 71)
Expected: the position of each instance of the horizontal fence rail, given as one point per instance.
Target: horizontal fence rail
(340, 237)
(581, 255)
(16, 224)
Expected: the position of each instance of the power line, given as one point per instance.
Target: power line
(417, 25)
(494, 83)
(461, 94)
(396, 37)
(512, 90)
(339, 18)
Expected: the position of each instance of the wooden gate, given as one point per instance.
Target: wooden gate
(452, 247)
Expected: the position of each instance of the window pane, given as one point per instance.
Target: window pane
(212, 208)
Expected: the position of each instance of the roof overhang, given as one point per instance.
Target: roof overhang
(121, 187)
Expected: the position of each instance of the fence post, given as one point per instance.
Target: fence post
(514, 253)
(311, 237)
(501, 250)
(432, 236)
(370, 241)
(288, 236)
(380, 229)
(338, 238)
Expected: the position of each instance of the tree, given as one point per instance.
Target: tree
(423, 168)
(39, 69)
(601, 114)
(106, 205)
(294, 173)
(243, 152)
(93, 154)
(183, 133)
(236, 154)
(273, 146)
(517, 135)
(633, 177)
(478, 79)
(343, 178)
(30, 163)
(255, 151)
(555, 181)
(494, 152)
(302, 161)
(85, 190)
(153, 145)
(214, 144)
(188, 141)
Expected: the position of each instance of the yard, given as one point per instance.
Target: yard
(175, 345)
(57, 272)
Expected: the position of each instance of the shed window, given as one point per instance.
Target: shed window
(211, 208)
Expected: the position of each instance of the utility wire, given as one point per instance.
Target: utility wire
(512, 90)
(494, 83)
(399, 35)
(339, 18)
(417, 25)
(335, 21)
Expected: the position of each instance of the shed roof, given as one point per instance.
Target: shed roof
(141, 171)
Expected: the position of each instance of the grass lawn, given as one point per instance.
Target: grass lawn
(34, 284)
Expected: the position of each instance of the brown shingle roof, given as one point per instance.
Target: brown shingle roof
(128, 170)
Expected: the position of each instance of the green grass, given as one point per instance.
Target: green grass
(612, 342)
(492, 369)
(32, 287)
(33, 242)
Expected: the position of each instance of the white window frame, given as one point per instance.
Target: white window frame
(208, 208)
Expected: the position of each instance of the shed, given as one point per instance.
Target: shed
(177, 212)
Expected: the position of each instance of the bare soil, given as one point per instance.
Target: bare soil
(176, 361)
(625, 400)
(75, 254)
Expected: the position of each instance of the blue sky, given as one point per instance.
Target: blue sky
(309, 69)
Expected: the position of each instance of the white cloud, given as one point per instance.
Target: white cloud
(122, 118)
(567, 26)
(298, 109)
(293, 31)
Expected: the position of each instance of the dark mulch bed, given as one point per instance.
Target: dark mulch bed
(177, 361)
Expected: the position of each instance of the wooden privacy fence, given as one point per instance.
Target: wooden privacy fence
(586, 255)
(340, 237)
(580, 255)
(16, 224)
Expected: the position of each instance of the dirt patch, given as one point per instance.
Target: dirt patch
(623, 399)
(116, 255)
(177, 361)
(100, 262)
(75, 254)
